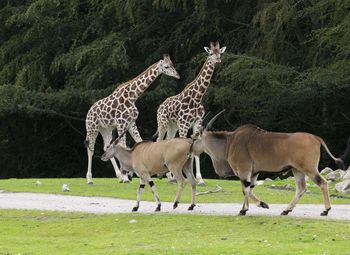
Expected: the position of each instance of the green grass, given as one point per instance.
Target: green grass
(36, 232)
(110, 187)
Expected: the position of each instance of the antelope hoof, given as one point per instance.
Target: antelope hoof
(200, 182)
(285, 212)
(158, 208)
(264, 205)
(242, 212)
(90, 183)
(135, 209)
(175, 204)
(325, 212)
(191, 207)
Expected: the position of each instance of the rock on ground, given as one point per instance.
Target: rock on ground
(343, 187)
(346, 175)
(326, 170)
(335, 175)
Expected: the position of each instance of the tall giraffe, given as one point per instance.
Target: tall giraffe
(184, 110)
(118, 111)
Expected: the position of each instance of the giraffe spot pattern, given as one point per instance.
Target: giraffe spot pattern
(185, 108)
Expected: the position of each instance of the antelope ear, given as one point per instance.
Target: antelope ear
(165, 56)
(222, 50)
(209, 51)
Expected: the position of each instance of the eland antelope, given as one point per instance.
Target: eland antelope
(249, 150)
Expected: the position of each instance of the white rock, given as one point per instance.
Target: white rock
(335, 175)
(268, 180)
(343, 187)
(258, 183)
(326, 170)
(346, 175)
(37, 183)
(65, 188)
(132, 221)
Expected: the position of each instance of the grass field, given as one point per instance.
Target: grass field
(36, 232)
(231, 190)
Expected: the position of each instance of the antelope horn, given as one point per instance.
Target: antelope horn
(210, 123)
(120, 136)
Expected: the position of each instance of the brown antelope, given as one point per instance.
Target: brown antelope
(249, 150)
(150, 158)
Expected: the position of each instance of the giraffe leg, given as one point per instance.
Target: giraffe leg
(107, 138)
(91, 138)
(162, 122)
(171, 133)
(196, 127)
(89, 174)
(199, 178)
(172, 130)
(134, 132)
(161, 133)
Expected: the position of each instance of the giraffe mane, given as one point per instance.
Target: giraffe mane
(199, 73)
(124, 84)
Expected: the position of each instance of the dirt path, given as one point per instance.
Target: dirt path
(100, 205)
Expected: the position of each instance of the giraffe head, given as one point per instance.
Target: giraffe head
(215, 52)
(166, 66)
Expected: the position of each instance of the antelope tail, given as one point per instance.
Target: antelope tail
(338, 161)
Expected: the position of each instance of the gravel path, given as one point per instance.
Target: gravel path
(100, 205)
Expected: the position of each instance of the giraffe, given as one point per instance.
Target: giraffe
(118, 111)
(184, 110)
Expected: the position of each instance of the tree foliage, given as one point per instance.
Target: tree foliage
(286, 69)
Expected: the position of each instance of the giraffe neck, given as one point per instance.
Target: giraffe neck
(136, 87)
(199, 85)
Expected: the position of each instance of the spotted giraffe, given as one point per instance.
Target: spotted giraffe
(184, 110)
(118, 111)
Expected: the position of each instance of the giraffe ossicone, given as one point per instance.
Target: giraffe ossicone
(185, 110)
(118, 111)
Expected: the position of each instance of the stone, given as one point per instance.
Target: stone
(343, 187)
(335, 175)
(346, 175)
(268, 180)
(326, 170)
(65, 188)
